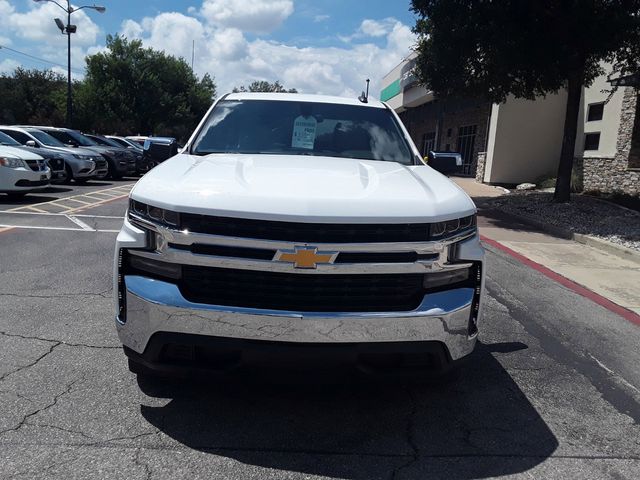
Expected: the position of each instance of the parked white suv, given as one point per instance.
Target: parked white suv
(22, 172)
(298, 227)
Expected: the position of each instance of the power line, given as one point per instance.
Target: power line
(38, 59)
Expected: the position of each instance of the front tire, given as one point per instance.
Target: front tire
(16, 195)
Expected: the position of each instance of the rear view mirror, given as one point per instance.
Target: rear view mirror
(31, 143)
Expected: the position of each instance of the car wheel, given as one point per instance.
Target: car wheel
(69, 174)
(16, 195)
(112, 173)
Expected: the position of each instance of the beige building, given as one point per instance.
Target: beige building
(520, 140)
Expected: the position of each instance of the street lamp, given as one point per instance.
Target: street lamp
(67, 30)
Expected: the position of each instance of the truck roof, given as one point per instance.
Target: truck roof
(303, 97)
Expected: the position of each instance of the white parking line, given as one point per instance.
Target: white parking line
(32, 227)
(60, 214)
(80, 223)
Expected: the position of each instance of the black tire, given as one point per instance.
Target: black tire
(16, 195)
(69, 174)
(111, 172)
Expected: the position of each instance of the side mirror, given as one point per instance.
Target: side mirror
(445, 164)
(160, 150)
(31, 143)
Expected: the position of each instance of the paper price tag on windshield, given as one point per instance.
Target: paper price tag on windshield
(304, 132)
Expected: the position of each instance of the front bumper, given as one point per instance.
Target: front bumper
(155, 306)
(15, 180)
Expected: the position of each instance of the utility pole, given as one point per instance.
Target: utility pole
(67, 30)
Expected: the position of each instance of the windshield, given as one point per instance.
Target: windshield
(45, 138)
(79, 138)
(105, 141)
(7, 140)
(303, 128)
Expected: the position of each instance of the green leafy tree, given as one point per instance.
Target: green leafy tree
(32, 97)
(493, 49)
(264, 86)
(132, 89)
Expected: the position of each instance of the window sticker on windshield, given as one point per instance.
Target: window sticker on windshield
(304, 132)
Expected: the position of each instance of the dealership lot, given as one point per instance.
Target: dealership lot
(552, 391)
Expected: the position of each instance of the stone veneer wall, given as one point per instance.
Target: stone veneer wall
(622, 172)
(482, 159)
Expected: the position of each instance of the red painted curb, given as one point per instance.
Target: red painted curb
(570, 284)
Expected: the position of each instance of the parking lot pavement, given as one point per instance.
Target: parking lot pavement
(552, 390)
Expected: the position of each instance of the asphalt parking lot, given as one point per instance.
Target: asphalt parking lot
(552, 391)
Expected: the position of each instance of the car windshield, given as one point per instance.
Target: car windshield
(45, 138)
(7, 140)
(79, 138)
(303, 128)
(106, 141)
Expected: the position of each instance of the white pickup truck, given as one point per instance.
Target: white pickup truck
(295, 228)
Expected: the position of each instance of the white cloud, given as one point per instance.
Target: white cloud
(256, 16)
(131, 29)
(37, 24)
(227, 55)
(321, 18)
(373, 28)
(228, 44)
(8, 65)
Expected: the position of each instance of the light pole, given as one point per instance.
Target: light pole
(67, 30)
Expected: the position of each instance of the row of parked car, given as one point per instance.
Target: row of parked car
(32, 157)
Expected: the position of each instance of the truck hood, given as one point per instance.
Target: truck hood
(302, 188)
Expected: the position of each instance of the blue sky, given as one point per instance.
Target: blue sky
(316, 46)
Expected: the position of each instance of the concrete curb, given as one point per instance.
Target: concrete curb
(605, 246)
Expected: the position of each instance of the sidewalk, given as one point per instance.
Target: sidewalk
(610, 276)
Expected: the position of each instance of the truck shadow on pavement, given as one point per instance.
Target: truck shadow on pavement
(478, 425)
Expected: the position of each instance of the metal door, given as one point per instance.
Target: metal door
(428, 143)
(466, 144)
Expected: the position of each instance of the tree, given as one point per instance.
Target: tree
(264, 86)
(132, 89)
(493, 49)
(32, 97)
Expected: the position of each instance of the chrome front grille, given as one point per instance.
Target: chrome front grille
(250, 272)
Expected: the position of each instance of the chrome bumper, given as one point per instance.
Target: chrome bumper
(156, 306)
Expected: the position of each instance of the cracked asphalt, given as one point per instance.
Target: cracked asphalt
(552, 391)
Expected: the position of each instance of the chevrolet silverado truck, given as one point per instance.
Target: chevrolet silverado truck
(297, 228)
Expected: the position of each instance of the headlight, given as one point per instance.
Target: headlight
(453, 227)
(12, 162)
(153, 214)
(82, 157)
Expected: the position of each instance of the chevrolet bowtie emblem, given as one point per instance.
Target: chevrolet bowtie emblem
(305, 257)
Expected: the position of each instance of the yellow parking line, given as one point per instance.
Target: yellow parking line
(87, 207)
(77, 201)
(36, 209)
(105, 194)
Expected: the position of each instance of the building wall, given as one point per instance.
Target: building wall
(619, 172)
(525, 139)
(607, 127)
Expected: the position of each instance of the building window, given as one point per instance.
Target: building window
(448, 132)
(592, 141)
(428, 143)
(447, 148)
(595, 112)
